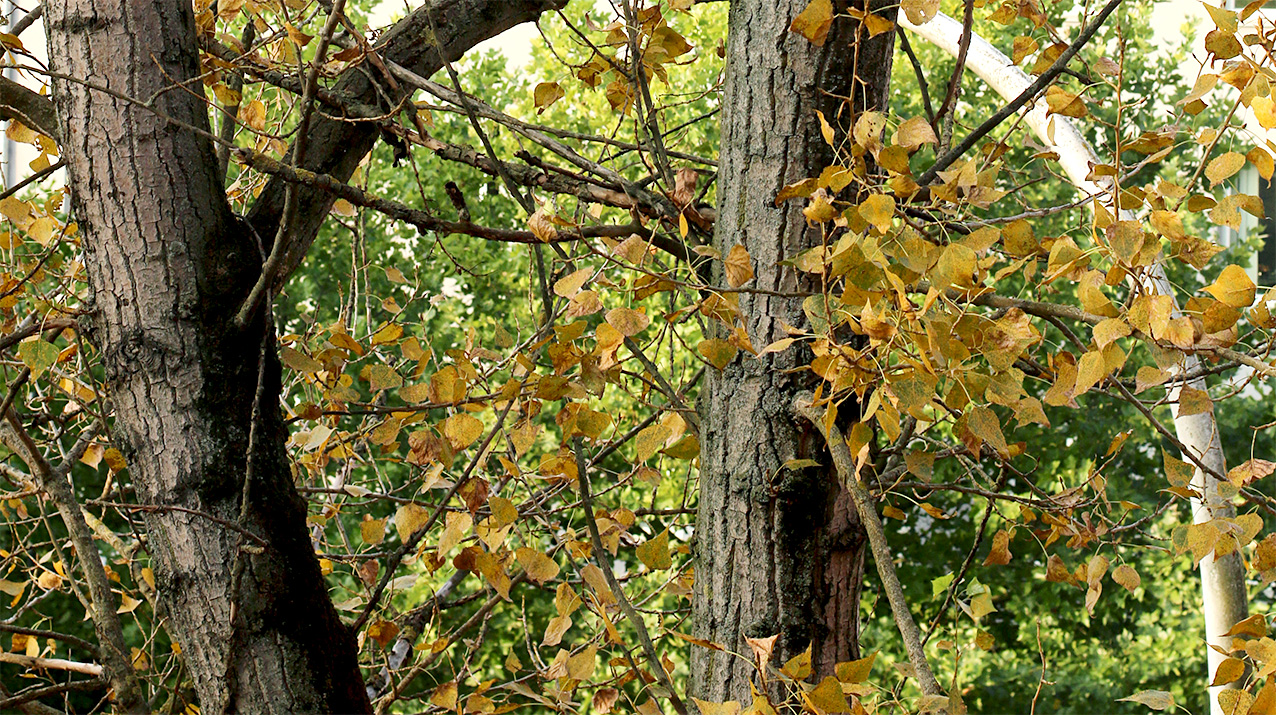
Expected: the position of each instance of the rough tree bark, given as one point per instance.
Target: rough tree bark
(778, 551)
(169, 264)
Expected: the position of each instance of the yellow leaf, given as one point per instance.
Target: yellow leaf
(387, 335)
(409, 518)
(253, 114)
(877, 24)
(539, 567)
(1090, 371)
(1233, 287)
(1177, 471)
(654, 552)
(914, 132)
(1066, 103)
(1224, 19)
(383, 632)
(1229, 671)
(128, 604)
(718, 352)
(297, 36)
(1126, 577)
(819, 210)
(730, 707)
(650, 440)
(1264, 111)
(778, 346)
(555, 629)
(569, 285)
(1155, 699)
(856, 671)
(920, 12)
(225, 95)
(799, 666)
(48, 580)
(583, 303)
(686, 448)
(1252, 469)
(542, 226)
(1194, 402)
(1022, 47)
(1262, 161)
(1223, 167)
(43, 229)
(456, 525)
(814, 22)
(372, 531)
(17, 211)
(545, 94)
(827, 697)
(627, 321)
(581, 666)
(383, 377)
(114, 459)
(1109, 330)
(444, 696)
(878, 210)
(605, 698)
(983, 423)
(1255, 627)
(1000, 553)
(461, 430)
(738, 266)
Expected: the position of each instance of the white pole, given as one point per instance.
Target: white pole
(10, 166)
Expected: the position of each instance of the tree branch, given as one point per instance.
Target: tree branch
(634, 618)
(1024, 97)
(338, 146)
(29, 107)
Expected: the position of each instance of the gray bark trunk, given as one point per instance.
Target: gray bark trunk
(168, 263)
(778, 552)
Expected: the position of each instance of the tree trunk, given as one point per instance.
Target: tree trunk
(168, 263)
(778, 551)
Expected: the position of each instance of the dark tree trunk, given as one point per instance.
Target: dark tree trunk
(778, 551)
(169, 264)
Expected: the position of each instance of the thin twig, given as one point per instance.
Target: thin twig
(271, 267)
(113, 651)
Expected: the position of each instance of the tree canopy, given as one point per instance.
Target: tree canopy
(754, 357)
